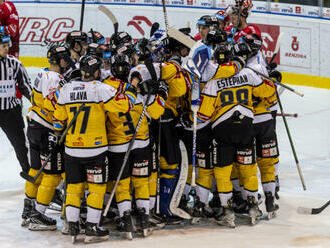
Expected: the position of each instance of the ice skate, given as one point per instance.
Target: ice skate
(227, 218)
(41, 222)
(28, 205)
(95, 234)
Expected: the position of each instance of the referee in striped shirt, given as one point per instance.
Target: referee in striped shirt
(13, 73)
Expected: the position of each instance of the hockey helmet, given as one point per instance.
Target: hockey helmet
(76, 37)
(208, 21)
(89, 65)
(56, 53)
(120, 66)
(120, 38)
(254, 42)
(4, 38)
(223, 53)
(95, 37)
(243, 6)
(100, 50)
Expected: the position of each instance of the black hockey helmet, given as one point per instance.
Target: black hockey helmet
(120, 66)
(74, 37)
(95, 37)
(223, 53)
(89, 65)
(120, 38)
(254, 42)
(56, 53)
(102, 51)
(208, 21)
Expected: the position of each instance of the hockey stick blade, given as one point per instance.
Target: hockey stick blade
(277, 48)
(27, 177)
(308, 211)
(110, 15)
(181, 37)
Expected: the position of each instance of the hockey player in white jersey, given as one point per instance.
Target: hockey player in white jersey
(40, 135)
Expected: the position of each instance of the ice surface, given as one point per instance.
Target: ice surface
(311, 135)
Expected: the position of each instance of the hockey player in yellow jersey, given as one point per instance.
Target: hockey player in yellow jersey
(40, 134)
(227, 103)
(86, 142)
(221, 67)
(121, 128)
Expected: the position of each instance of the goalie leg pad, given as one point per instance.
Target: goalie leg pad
(47, 188)
(224, 185)
(31, 189)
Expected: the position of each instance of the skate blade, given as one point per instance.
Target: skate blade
(95, 239)
(73, 239)
(38, 227)
(25, 222)
(230, 224)
(146, 232)
(55, 207)
(271, 215)
(127, 235)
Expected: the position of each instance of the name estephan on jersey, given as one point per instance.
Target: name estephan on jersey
(233, 81)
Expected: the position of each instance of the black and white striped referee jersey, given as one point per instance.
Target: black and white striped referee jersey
(13, 73)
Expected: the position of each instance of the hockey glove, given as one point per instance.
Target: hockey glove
(162, 89)
(148, 87)
(271, 67)
(277, 75)
(185, 120)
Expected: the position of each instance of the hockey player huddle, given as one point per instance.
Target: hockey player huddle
(107, 101)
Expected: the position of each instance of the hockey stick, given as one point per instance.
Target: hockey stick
(165, 16)
(111, 16)
(277, 48)
(302, 210)
(82, 13)
(128, 152)
(288, 115)
(195, 101)
(291, 143)
(276, 82)
(33, 179)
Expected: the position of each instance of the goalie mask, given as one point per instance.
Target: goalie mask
(245, 5)
(120, 66)
(89, 65)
